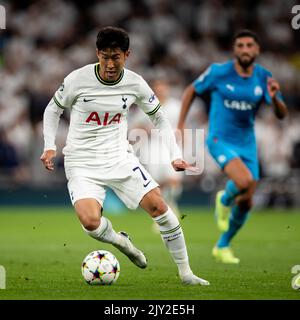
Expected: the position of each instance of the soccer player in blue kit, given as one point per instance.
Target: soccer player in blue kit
(237, 87)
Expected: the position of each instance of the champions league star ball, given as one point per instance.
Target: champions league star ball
(100, 268)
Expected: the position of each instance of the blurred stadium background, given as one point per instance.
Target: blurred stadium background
(45, 40)
(42, 247)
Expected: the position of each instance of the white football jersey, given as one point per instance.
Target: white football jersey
(98, 118)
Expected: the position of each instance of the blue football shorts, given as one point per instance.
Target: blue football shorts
(223, 152)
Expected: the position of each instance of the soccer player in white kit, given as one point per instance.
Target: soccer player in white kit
(98, 154)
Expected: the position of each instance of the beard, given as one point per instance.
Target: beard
(245, 63)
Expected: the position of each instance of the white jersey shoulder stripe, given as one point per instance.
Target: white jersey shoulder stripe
(57, 103)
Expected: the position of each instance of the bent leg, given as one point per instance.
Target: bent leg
(239, 215)
(100, 228)
(240, 180)
(237, 171)
(171, 233)
(245, 199)
(238, 194)
(153, 203)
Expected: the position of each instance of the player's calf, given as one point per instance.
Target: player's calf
(173, 238)
(105, 233)
(244, 201)
(171, 232)
(244, 204)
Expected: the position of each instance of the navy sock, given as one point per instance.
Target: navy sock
(231, 191)
(237, 220)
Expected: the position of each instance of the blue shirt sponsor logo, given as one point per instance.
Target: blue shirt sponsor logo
(238, 105)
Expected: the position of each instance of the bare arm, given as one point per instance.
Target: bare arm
(187, 100)
(280, 108)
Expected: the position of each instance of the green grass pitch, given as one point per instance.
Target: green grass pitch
(42, 250)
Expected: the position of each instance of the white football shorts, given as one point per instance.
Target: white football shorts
(128, 179)
(164, 172)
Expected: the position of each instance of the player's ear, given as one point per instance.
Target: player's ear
(127, 53)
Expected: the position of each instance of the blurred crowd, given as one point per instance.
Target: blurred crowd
(45, 40)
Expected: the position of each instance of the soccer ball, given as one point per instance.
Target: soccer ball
(100, 267)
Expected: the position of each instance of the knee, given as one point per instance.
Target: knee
(245, 183)
(90, 220)
(90, 224)
(158, 208)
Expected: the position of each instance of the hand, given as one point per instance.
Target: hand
(47, 158)
(273, 87)
(181, 165)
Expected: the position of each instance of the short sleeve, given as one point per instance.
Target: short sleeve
(206, 80)
(64, 95)
(146, 99)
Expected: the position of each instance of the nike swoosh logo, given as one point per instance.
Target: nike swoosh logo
(87, 100)
(169, 240)
(145, 185)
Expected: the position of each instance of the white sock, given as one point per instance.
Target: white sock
(105, 233)
(173, 238)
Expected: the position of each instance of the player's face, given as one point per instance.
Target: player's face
(245, 51)
(112, 62)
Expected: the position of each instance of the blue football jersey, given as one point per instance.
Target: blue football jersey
(234, 101)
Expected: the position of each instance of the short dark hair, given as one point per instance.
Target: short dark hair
(112, 37)
(246, 33)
